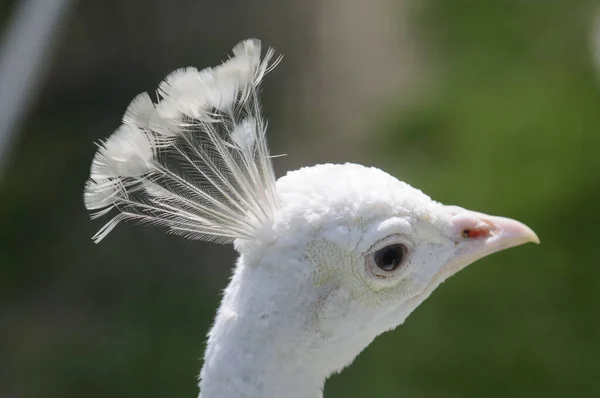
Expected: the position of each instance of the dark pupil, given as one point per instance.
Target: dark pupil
(389, 257)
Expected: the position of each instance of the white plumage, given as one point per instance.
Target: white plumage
(196, 161)
(330, 256)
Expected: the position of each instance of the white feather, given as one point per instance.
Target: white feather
(197, 161)
(139, 112)
(244, 134)
(126, 153)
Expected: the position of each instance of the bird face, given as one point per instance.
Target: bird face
(378, 247)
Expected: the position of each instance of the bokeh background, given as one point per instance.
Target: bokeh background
(492, 105)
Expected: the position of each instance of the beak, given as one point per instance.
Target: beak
(478, 235)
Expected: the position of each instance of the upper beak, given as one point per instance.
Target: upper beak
(478, 235)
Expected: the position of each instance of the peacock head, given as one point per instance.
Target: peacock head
(372, 246)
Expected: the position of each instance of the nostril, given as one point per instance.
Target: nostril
(470, 225)
(474, 233)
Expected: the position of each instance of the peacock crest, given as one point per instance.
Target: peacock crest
(196, 160)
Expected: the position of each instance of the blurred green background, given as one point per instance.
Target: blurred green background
(491, 105)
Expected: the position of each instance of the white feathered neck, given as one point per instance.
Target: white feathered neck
(262, 343)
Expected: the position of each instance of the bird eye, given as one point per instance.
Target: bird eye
(389, 258)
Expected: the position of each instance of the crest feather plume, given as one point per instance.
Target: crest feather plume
(196, 161)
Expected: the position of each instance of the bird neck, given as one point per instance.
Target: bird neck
(263, 343)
